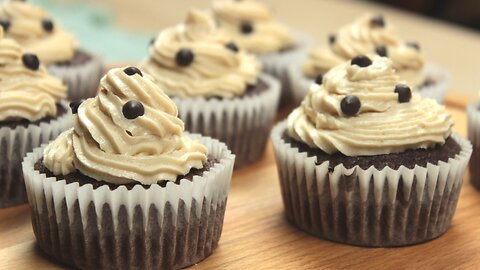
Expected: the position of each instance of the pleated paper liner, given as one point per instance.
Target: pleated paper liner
(374, 208)
(15, 143)
(157, 227)
(82, 80)
(243, 123)
(473, 125)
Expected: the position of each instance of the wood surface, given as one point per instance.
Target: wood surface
(257, 236)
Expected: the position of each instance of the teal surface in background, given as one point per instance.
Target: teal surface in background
(95, 29)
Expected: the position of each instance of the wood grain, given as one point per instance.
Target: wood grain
(257, 236)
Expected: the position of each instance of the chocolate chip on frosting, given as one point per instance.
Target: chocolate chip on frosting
(133, 109)
(5, 23)
(404, 93)
(132, 71)
(381, 50)
(184, 57)
(75, 104)
(152, 41)
(30, 61)
(246, 27)
(414, 45)
(378, 21)
(350, 105)
(319, 79)
(361, 61)
(47, 25)
(232, 46)
(332, 38)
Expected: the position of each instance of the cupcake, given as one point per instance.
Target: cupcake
(473, 125)
(251, 25)
(218, 88)
(126, 188)
(371, 35)
(31, 113)
(37, 33)
(366, 161)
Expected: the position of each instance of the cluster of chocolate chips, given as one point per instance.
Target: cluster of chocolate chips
(47, 25)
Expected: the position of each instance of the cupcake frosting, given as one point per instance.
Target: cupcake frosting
(129, 133)
(36, 32)
(26, 91)
(251, 24)
(367, 111)
(367, 35)
(194, 59)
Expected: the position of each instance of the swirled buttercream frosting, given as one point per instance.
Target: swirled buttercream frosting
(26, 90)
(251, 24)
(361, 108)
(368, 35)
(129, 133)
(36, 32)
(194, 59)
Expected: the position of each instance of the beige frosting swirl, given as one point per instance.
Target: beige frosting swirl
(215, 70)
(105, 145)
(267, 36)
(382, 125)
(26, 27)
(25, 93)
(363, 37)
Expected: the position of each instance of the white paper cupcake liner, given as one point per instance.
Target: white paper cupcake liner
(15, 143)
(82, 80)
(143, 228)
(473, 125)
(276, 64)
(243, 123)
(300, 84)
(375, 208)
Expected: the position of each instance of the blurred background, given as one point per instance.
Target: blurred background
(448, 30)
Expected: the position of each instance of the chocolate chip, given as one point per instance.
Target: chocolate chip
(378, 21)
(30, 61)
(184, 57)
(361, 61)
(152, 41)
(5, 23)
(132, 71)
(404, 93)
(332, 38)
(133, 109)
(232, 46)
(75, 104)
(47, 25)
(381, 50)
(319, 79)
(350, 105)
(246, 28)
(414, 45)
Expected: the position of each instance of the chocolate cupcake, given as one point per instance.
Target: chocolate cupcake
(126, 188)
(38, 33)
(218, 87)
(473, 124)
(31, 113)
(371, 35)
(366, 161)
(251, 25)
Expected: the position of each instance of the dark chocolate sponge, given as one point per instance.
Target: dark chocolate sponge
(79, 58)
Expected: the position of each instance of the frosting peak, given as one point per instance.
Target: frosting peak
(107, 144)
(34, 30)
(194, 59)
(390, 118)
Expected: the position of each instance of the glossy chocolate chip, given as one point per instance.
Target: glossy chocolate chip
(30, 61)
(232, 46)
(184, 57)
(5, 24)
(47, 25)
(133, 109)
(404, 93)
(75, 104)
(332, 38)
(361, 61)
(414, 45)
(381, 50)
(246, 28)
(378, 21)
(152, 41)
(319, 79)
(350, 105)
(132, 71)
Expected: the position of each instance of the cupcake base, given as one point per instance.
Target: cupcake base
(369, 207)
(151, 227)
(473, 125)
